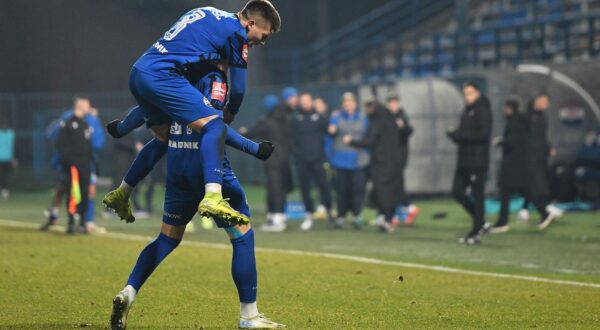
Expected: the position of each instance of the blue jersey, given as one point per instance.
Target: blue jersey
(202, 35)
(184, 156)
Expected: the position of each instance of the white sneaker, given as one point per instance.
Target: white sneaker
(277, 224)
(121, 306)
(92, 228)
(5, 194)
(306, 225)
(259, 322)
(523, 215)
(499, 229)
(553, 214)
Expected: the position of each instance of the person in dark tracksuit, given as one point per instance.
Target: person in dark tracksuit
(308, 135)
(383, 139)
(539, 151)
(473, 137)
(513, 177)
(274, 126)
(75, 152)
(349, 163)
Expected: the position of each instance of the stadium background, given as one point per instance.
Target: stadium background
(424, 49)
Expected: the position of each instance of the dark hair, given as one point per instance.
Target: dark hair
(513, 104)
(392, 96)
(78, 97)
(471, 84)
(262, 9)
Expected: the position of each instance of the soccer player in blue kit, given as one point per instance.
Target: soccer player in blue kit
(185, 188)
(162, 82)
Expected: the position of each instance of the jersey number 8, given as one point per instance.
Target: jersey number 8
(186, 19)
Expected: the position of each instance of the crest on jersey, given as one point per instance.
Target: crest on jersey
(219, 91)
(245, 52)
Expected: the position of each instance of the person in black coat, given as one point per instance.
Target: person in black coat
(513, 177)
(308, 135)
(383, 139)
(539, 151)
(274, 126)
(473, 137)
(406, 131)
(74, 148)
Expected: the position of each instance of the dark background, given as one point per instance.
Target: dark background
(90, 45)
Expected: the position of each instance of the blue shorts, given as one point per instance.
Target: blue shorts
(184, 193)
(168, 97)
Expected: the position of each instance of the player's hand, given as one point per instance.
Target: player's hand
(243, 130)
(332, 129)
(265, 149)
(228, 117)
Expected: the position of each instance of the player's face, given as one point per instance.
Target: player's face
(471, 95)
(258, 33)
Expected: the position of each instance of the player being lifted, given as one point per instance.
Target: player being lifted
(162, 82)
(185, 188)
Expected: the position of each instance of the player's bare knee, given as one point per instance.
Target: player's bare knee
(237, 231)
(174, 232)
(161, 132)
(200, 123)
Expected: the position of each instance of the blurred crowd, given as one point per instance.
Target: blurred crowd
(337, 152)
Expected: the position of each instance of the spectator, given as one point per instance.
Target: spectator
(274, 127)
(349, 163)
(406, 130)
(308, 135)
(539, 151)
(321, 106)
(383, 138)
(473, 137)
(513, 174)
(7, 159)
(76, 155)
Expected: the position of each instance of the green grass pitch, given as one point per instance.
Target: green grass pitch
(51, 280)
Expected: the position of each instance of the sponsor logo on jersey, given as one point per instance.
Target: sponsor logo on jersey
(183, 145)
(219, 91)
(245, 52)
(161, 49)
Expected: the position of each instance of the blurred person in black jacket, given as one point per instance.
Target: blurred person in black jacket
(308, 135)
(274, 126)
(473, 137)
(74, 148)
(539, 150)
(513, 177)
(406, 130)
(383, 139)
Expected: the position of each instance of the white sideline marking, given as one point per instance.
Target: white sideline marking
(19, 224)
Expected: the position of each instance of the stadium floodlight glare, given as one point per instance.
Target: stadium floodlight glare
(564, 80)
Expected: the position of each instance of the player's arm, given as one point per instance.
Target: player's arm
(237, 54)
(261, 150)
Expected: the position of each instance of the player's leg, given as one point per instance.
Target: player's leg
(53, 211)
(179, 209)
(304, 179)
(84, 174)
(243, 262)
(134, 119)
(118, 199)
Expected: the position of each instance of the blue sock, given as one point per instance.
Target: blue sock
(89, 214)
(212, 144)
(236, 140)
(150, 154)
(133, 120)
(150, 257)
(243, 267)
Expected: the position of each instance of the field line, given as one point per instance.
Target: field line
(131, 237)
